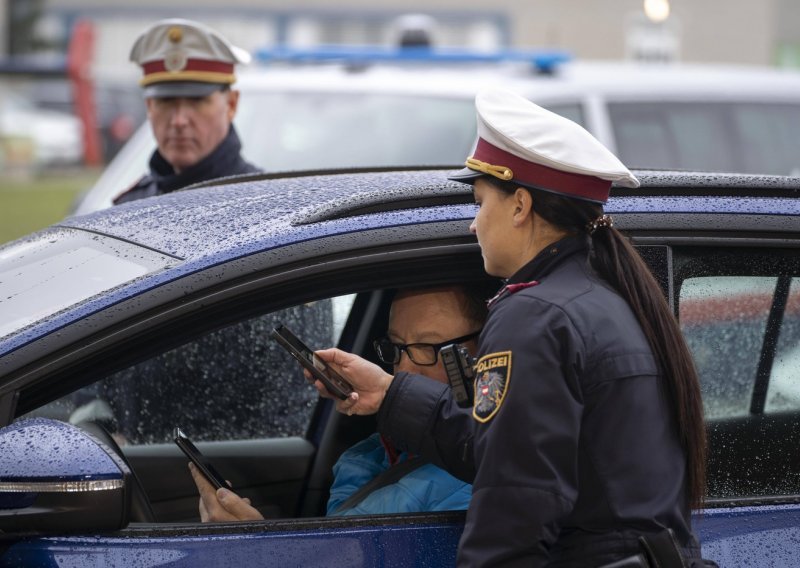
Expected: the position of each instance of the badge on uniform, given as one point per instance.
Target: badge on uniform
(493, 372)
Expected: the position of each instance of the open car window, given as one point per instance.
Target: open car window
(237, 394)
(234, 383)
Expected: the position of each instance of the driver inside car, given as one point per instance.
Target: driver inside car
(373, 477)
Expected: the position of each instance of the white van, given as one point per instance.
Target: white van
(358, 112)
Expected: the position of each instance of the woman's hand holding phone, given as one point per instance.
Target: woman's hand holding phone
(220, 505)
(217, 502)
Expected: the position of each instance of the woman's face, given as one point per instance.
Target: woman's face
(493, 225)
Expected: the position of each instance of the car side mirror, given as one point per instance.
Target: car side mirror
(55, 478)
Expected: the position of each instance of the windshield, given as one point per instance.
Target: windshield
(288, 130)
(756, 138)
(61, 268)
(301, 131)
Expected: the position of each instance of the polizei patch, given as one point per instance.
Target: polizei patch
(491, 383)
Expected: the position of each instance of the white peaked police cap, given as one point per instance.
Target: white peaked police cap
(182, 58)
(520, 142)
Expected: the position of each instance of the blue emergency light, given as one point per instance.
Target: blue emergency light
(545, 61)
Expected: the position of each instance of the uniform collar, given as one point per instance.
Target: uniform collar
(542, 264)
(553, 255)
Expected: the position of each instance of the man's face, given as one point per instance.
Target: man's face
(187, 129)
(430, 316)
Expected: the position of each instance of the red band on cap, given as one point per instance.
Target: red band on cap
(544, 177)
(191, 65)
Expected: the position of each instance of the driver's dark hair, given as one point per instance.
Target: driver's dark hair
(475, 296)
(616, 261)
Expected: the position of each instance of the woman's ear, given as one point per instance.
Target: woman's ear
(523, 205)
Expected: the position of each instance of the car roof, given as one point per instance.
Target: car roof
(227, 214)
(226, 221)
(268, 204)
(618, 80)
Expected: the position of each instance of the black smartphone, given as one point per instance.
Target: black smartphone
(332, 380)
(199, 460)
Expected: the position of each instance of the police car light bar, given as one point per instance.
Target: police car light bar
(543, 60)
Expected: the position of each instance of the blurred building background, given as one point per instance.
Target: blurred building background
(766, 32)
(76, 51)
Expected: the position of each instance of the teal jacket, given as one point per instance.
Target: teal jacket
(427, 488)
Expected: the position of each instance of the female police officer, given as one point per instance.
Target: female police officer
(587, 429)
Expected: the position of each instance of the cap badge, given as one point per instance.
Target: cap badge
(491, 384)
(175, 34)
(502, 172)
(175, 60)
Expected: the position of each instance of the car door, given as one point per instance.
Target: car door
(201, 361)
(757, 502)
(234, 391)
(739, 310)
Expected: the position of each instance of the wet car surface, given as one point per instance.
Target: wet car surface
(156, 314)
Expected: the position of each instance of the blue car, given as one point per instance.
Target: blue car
(122, 325)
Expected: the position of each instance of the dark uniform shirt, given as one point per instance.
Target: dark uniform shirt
(571, 446)
(225, 160)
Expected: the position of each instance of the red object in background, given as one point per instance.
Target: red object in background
(79, 64)
(122, 128)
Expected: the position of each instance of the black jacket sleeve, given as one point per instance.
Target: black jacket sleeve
(420, 417)
(522, 461)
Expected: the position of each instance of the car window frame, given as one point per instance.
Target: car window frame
(351, 262)
(161, 323)
(730, 466)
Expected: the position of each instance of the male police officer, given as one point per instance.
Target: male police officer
(188, 70)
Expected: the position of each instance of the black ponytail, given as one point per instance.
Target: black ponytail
(617, 262)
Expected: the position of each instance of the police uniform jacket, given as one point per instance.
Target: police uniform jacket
(225, 160)
(571, 446)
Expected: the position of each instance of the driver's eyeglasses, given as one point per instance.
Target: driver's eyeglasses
(424, 354)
